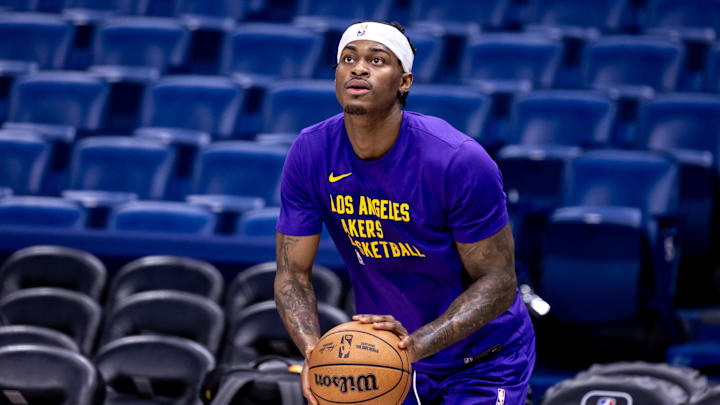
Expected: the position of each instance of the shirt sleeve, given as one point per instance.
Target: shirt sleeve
(299, 215)
(475, 196)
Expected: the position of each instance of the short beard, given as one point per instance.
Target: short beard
(355, 110)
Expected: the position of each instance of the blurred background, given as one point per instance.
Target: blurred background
(140, 154)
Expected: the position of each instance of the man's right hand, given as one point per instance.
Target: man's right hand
(305, 378)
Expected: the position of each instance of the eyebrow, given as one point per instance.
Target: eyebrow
(353, 48)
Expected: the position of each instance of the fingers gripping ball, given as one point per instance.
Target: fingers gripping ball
(353, 363)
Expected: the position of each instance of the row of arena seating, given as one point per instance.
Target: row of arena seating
(153, 330)
(66, 290)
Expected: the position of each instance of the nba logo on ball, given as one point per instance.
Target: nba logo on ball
(500, 397)
(606, 401)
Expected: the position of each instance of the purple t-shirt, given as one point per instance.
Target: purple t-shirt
(395, 221)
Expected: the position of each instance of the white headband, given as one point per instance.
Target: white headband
(385, 34)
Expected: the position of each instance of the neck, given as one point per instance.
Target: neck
(373, 135)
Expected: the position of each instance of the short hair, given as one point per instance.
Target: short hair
(401, 96)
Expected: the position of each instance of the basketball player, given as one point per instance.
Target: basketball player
(417, 212)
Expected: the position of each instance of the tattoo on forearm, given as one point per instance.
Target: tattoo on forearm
(488, 296)
(295, 299)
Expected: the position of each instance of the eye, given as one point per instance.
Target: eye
(348, 59)
(378, 60)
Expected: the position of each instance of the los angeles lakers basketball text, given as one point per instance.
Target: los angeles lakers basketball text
(370, 229)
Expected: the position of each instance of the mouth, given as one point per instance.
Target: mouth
(357, 87)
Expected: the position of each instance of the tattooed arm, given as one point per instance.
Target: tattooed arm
(491, 264)
(294, 294)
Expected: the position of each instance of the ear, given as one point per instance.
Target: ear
(406, 81)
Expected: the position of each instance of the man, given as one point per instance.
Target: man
(417, 212)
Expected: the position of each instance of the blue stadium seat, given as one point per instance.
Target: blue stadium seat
(39, 38)
(258, 222)
(233, 168)
(463, 108)
(292, 106)
(24, 157)
(634, 65)
(35, 335)
(563, 117)
(166, 273)
(458, 14)
(688, 126)
(69, 312)
(41, 212)
(698, 18)
(108, 7)
(602, 15)
(42, 374)
(162, 217)
(429, 43)
(208, 104)
(511, 60)
(213, 13)
(255, 284)
(377, 10)
(166, 312)
(61, 99)
(122, 164)
(271, 51)
(712, 74)
(139, 48)
(610, 238)
(153, 369)
(53, 266)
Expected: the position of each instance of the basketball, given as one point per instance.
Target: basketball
(353, 363)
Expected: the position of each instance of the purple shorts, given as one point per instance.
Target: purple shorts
(500, 380)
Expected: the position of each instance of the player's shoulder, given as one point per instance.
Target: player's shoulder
(316, 138)
(436, 131)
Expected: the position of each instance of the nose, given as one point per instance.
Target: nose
(360, 69)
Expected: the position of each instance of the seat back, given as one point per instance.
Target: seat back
(116, 6)
(161, 368)
(255, 284)
(593, 389)
(679, 14)
(126, 164)
(486, 12)
(136, 41)
(258, 330)
(45, 212)
(259, 222)
(681, 121)
(212, 8)
(290, 107)
(162, 217)
(276, 50)
(41, 38)
(563, 117)
(512, 57)
(53, 266)
(605, 15)
(202, 103)
(464, 109)
(166, 312)
(35, 335)
(74, 99)
(712, 75)
(48, 375)
(377, 10)
(72, 313)
(166, 273)
(234, 167)
(429, 58)
(23, 160)
(639, 179)
(633, 61)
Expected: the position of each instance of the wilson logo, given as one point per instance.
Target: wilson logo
(360, 383)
